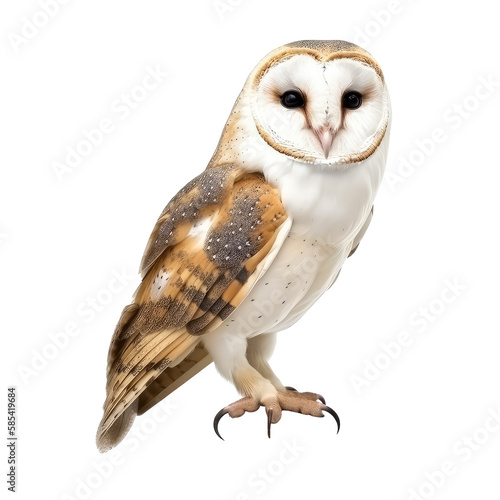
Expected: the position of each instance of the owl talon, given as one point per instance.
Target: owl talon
(269, 421)
(235, 410)
(305, 403)
(217, 418)
(333, 413)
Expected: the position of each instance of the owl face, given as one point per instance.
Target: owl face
(321, 110)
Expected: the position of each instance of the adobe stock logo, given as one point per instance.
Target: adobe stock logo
(419, 322)
(452, 119)
(268, 474)
(87, 311)
(223, 7)
(121, 109)
(380, 20)
(462, 451)
(31, 26)
(99, 472)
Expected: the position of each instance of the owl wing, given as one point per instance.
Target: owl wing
(211, 244)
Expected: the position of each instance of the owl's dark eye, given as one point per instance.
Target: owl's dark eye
(352, 100)
(292, 99)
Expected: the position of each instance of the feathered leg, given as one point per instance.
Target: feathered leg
(244, 363)
(259, 351)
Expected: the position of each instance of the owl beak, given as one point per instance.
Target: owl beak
(325, 137)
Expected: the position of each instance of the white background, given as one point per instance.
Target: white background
(63, 239)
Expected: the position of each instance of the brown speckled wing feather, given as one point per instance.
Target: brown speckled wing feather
(207, 250)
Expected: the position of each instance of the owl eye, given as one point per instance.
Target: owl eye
(352, 100)
(292, 99)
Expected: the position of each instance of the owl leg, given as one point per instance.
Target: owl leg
(228, 350)
(244, 363)
(259, 351)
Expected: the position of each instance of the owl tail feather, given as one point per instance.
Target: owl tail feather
(115, 434)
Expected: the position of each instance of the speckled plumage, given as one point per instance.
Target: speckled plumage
(240, 238)
(190, 284)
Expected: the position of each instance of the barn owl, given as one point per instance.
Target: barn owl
(247, 247)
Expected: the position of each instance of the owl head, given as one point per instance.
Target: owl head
(320, 102)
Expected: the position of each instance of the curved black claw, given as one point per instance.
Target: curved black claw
(217, 420)
(269, 422)
(333, 414)
(322, 399)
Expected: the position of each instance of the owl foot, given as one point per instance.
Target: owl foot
(299, 402)
(306, 403)
(311, 395)
(235, 410)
